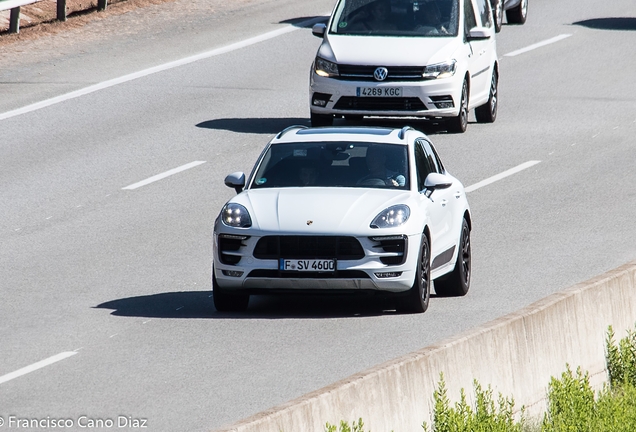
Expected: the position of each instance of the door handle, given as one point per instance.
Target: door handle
(444, 202)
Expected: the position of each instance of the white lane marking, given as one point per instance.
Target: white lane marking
(498, 177)
(36, 366)
(160, 68)
(538, 45)
(163, 175)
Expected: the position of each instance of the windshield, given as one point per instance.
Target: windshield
(333, 164)
(433, 18)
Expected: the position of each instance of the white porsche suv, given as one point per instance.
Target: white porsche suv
(432, 59)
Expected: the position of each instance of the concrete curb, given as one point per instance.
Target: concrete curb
(516, 355)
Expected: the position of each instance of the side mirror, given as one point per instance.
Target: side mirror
(319, 29)
(236, 180)
(479, 33)
(437, 181)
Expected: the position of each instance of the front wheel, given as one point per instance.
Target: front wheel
(459, 123)
(318, 120)
(518, 14)
(487, 113)
(457, 283)
(418, 297)
(225, 301)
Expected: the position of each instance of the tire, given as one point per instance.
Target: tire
(418, 297)
(498, 13)
(460, 123)
(457, 283)
(228, 302)
(487, 113)
(318, 120)
(518, 14)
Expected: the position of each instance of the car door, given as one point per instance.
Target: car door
(438, 204)
(477, 13)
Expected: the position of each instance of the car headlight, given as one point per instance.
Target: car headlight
(235, 215)
(440, 70)
(325, 68)
(393, 216)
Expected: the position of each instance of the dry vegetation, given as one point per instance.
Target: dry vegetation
(40, 18)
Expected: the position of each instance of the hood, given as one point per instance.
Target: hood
(329, 210)
(388, 51)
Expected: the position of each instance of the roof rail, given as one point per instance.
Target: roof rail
(287, 129)
(402, 132)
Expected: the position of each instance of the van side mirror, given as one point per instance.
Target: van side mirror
(319, 29)
(479, 33)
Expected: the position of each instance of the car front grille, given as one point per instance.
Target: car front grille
(380, 103)
(309, 247)
(395, 73)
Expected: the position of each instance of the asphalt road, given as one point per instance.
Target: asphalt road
(117, 281)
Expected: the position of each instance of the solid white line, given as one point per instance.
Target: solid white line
(160, 68)
(163, 175)
(538, 45)
(504, 174)
(36, 366)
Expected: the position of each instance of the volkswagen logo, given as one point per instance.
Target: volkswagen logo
(380, 73)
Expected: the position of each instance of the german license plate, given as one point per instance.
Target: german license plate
(379, 91)
(311, 265)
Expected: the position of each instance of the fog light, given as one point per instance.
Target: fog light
(442, 105)
(320, 99)
(385, 275)
(232, 273)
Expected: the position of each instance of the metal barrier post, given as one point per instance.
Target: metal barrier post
(14, 20)
(61, 10)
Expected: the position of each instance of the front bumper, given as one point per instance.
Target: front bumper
(380, 269)
(428, 99)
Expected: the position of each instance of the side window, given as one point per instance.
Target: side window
(484, 12)
(431, 157)
(469, 16)
(422, 164)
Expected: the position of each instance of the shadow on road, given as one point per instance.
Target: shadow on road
(305, 22)
(253, 125)
(608, 23)
(199, 304)
(270, 126)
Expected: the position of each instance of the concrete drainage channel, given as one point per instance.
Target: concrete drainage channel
(515, 354)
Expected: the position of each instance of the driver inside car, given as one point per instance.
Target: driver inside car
(378, 172)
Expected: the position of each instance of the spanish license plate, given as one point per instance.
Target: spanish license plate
(312, 265)
(379, 91)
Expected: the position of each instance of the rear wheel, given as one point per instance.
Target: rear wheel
(457, 283)
(487, 113)
(460, 123)
(518, 14)
(318, 120)
(418, 297)
(225, 301)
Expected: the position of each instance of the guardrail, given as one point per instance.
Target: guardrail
(15, 5)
